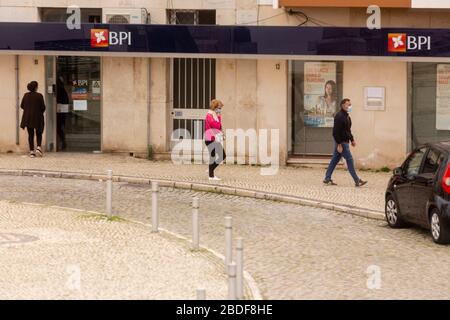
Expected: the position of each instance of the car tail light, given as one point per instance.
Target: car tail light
(446, 180)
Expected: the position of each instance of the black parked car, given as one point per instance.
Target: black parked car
(419, 191)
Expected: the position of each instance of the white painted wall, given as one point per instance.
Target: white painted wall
(435, 4)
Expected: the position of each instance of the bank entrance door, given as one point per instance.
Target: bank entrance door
(78, 104)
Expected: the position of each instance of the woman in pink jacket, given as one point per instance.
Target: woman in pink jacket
(214, 138)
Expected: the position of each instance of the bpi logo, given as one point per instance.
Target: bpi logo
(103, 38)
(401, 42)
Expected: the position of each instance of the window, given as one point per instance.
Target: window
(413, 164)
(432, 162)
(430, 96)
(316, 91)
(88, 15)
(195, 17)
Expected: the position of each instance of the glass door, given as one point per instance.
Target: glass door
(78, 104)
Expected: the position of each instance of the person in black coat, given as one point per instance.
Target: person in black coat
(33, 106)
(62, 98)
(343, 137)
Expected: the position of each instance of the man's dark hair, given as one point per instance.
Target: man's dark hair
(32, 86)
(344, 102)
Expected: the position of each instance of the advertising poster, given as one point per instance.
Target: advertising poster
(443, 97)
(80, 89)
(320, 97)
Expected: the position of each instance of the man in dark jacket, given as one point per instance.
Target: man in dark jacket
(62, 98)
(342, 134)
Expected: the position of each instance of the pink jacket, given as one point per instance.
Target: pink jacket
(212, 127)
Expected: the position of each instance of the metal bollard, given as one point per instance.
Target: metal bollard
(232, 281)
(195, 224)
(155, 217)
(228, 240)
(201, 294)
(109, 190)
(239, 268)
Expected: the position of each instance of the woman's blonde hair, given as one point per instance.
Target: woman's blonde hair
(216, 104)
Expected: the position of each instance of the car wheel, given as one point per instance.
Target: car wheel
(393, 213)
(439, 230)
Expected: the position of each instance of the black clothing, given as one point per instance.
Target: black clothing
(61, 95)
(215, 148)
(61, 98)
(31, 138)
(33, 106)
(342, 131)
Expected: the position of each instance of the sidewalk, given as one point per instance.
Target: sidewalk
(300, 182)
(54, 253)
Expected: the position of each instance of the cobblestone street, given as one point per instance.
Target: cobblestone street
(302, 182)
(293, 252)
(51, 253)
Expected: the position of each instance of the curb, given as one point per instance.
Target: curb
(202, 187)
(249, 280)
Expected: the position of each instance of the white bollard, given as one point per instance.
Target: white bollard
(195, 224)
(109, 190)
(232, 281)
(201, 294)
(239, 268)
(228, 240)
(155, 217)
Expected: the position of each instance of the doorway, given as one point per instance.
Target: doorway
(193, 85)
(78, 93)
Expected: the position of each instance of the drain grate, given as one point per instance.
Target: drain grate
(14, 238)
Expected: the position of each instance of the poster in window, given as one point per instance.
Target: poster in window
(320, 97)
(443, 97)
(80, 89)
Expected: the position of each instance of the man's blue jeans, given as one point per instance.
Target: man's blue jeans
(337, 157)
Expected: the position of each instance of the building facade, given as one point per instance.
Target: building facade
(130, 103)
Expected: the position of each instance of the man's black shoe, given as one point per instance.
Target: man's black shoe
(329, 183)
(361, 183)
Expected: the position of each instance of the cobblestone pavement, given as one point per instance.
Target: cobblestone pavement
(50, 253)
(293, 252)
(302, 182)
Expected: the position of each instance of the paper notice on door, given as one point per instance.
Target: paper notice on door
(62, 108)
(80, 105)
(96, 87)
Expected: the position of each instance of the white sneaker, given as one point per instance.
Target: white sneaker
(39, 152)
(215, 179)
